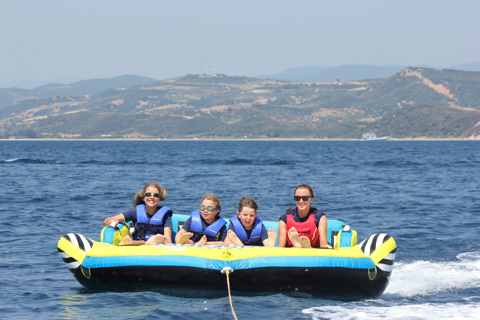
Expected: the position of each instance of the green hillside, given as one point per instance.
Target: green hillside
(11, 96)
(416, 102)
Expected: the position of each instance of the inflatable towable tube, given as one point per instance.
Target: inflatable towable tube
(350, 270)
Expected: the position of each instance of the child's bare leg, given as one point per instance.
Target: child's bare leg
(272, 237)
(202, 241)
(305, 242)
(294, 237)
(127, 240)
(232, 236)
(155, 239)
(184, 237)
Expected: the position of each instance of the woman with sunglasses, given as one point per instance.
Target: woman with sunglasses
(205, 226)
(303, 226)
(153, 223)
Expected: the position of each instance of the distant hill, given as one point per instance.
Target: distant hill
(90, 86)
(471, 66)
(340, 73)
(9, 96)
(415, 102)
(295, 74)
(352, 72)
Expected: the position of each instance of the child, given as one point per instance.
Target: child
(247, 229)
(204, 227)
(153, 223)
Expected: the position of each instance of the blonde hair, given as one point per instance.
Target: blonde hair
(138, 197)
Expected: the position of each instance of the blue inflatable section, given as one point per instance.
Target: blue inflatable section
(254, 262)
(333, 225)
(200, 262)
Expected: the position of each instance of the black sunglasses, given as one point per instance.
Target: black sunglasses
(304, 198)
(148, 194)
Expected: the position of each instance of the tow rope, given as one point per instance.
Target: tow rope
(227, 271)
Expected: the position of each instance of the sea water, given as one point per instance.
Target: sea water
(424, 194)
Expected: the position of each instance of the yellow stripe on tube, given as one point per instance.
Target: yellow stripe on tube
(382, 251)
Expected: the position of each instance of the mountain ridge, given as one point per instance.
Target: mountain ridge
(354, 72)
(207, 106)
(10, 96)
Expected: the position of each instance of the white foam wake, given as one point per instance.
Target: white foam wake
(416, 280)
(429, 278)
(413, 311)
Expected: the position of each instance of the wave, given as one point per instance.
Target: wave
(412, 311)
(207, 161)
(281, 163)
(238, 162)
(408, 284)
(244, 162)
(266, 162)
(86, 162)
(422, 278)
(39, 199)
(114, 163)
(393, 163)
(80, 198)
(194, 176)
(29, 160)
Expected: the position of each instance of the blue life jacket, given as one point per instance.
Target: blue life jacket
(255, 236)
(210, 231)
(148, 226)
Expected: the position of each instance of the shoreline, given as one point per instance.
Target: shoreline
(260, 139)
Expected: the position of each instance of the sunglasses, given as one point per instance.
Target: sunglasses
(304, 198)
(209, 208)
(148, 194)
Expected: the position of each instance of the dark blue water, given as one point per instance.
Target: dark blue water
(424, 194)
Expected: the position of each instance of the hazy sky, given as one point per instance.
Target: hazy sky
(67, 40)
